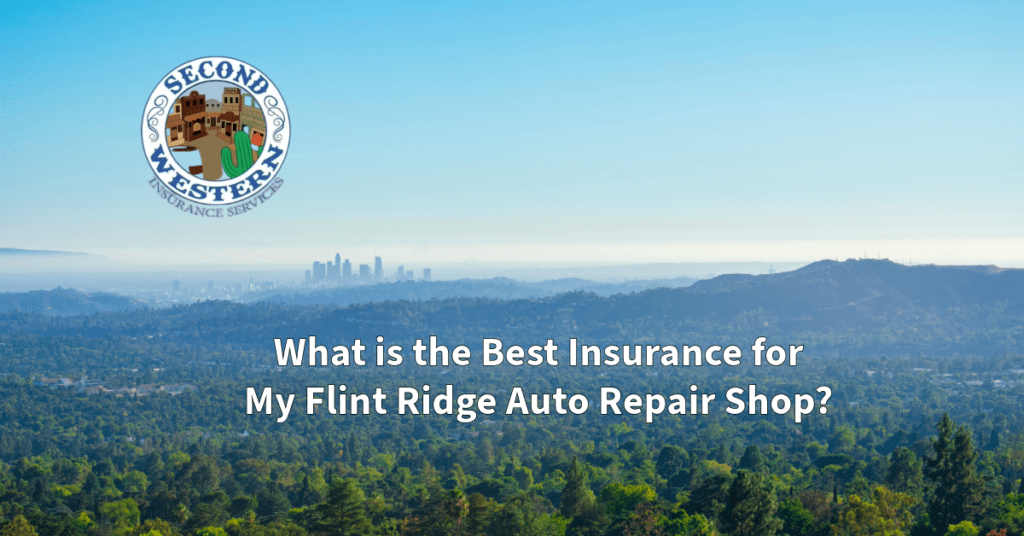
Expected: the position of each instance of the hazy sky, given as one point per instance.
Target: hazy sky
(580, 132)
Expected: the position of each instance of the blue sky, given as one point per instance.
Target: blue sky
(580, 132)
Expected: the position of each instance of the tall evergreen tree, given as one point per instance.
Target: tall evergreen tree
(343, 513)
(576, 496)
(351, 450)
(272, 503)
(476, 517)
(958, 490)
(752, 459)
(993, 440)
(904, 474)
(750, 510)
(709, 498)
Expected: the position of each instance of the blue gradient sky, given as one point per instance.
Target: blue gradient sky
(584, 132)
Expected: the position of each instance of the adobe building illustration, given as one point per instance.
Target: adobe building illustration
(211, 126)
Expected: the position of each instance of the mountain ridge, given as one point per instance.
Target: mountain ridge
(850, 308)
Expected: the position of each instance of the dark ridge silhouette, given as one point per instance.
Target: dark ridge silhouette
(501, 288)
(851, 308)
(66, 302)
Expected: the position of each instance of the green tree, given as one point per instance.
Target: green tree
(750, 508)
(752, 459)
(958, 490)
(796, 520)
(709, 498)
(507, 520)
(122, 516)
(680, 523)
(576, 496)
(242, 506)
(642, 522)
(590, 521)
(904, 474)
(19, 526)
(887, 515)
(158, 526)
(520, 516)
(522, 475)
(211, 511)
(310, 493)
(271, 503)
(442, 513)
(620, 500)
(964, 528)
(134, 482)
(480, 509)
(1008, 514)
(671, 460)
(859, 486)
(83, 522)
(343, 514)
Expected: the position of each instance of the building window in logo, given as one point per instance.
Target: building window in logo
(215, 132)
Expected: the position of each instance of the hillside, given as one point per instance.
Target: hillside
(66, 302)
(501, 288)
(829, 295)
(852, 308)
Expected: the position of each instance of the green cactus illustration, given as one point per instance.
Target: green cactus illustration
(243, 150)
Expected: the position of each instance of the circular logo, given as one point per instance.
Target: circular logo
(215, 132)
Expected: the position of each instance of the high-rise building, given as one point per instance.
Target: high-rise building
(346, 270)
(319, 271)
(426, 274)
(378, 268)
(337, 266)
(330, 270)
(400, 273)
(364, 272)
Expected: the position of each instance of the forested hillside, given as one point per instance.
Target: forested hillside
(848, 309)
(149, 433)
(66, 302)
(497, 288)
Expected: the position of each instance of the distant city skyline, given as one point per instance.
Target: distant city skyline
(549, 133)
(337, 273)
